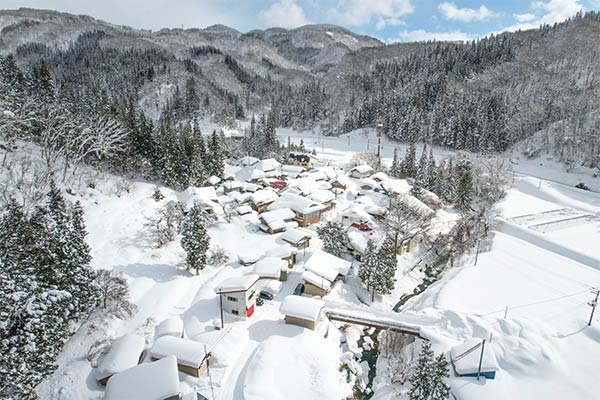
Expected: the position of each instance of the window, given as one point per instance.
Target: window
(235, 312)
(251, 295)
(232, 298)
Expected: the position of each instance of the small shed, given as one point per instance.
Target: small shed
(158, 380)
(172, 326)
(238, 294)
(361, 171)
(192, 357)
(262, 199)
(315, 285)
(465, 359)
(232, 186)
(270, 268)
(248, 259)
(357, 244)
(243, 210)
(125, 352)
(284, 252)
(277, 221)
(302, 311)
(296, 238)
(213, 180)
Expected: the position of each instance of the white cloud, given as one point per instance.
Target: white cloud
(285, 14)
(524, 17)
(548, 12)
(383, 22)
(420, 35)
(451, 11)
(361, 12)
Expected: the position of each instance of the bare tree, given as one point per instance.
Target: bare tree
(397, 351)
(114, 294)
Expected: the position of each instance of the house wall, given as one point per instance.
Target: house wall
(300, 322)
(239, 305)
(313, 290)
(261, 208)
(305, 221)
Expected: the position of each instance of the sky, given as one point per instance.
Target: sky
(387, 20)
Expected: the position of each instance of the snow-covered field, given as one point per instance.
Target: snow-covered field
(541, 279)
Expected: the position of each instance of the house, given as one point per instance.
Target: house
(238, 294)
(158, 380)
(357, 244)
(324, 197)
(243, 210)
(302, 311)
(277, 220)
(340, 182)
(250, 187)
(395, 187)
(269, 166)
(270, 268)
(192, 358)
(466, 362)
(305, 160)
(296, 238)
(367, 185)
(292, 171)
(262, 199)
(248, 259)
(361, 171)
(172, 326)
(249, 174)
(284, 252)
(321, 270)
(306, 211)
(277, 185)
(232, 186)
(125, 352)
(379, 176)
(356, 214)
(408, 245)
(212, 180)
(247, 161)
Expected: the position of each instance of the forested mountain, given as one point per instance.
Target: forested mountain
(483, 96)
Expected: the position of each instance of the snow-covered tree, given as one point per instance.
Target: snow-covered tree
(423, 375)
(464, 185)
(395, 169)
(334, 237)
(440, 389)
(215, 162)
(194, 238)
(408, 166)
(113, 293)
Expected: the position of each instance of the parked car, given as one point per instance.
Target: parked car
(259, 301)
(265, 295)
(582, 185)
(299, 289)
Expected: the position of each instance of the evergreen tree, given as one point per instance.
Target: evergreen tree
(408, 166)
(367, 271)
(334, 237)
(422, 169)
(440, 390)
(194, 238)
(432, 173)
(215, 162)
(464, 186)
(422, 376)
(395, 169)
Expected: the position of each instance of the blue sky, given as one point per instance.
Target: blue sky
(388, 20)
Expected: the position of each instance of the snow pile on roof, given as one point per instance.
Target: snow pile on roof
(307, 185)
(356, 213)
(369, 182)
(269, 267)
(381, 176)
(170, 327)
(469, 363)
(302, 307)
(330, 172)
(249, 258)
(298, 204)
(243, 210)
(230, 171)
(187, 352)
(327, 265)
(294, 236)
(295, 364)
(250, 187)
(415, 205)
(263, 197)
(341, 179)
(283, 251)
(237, 283)
(316, 280)
(322, 196)
(213, 180)
(151, 381)
(292, 171)
(248, 174)
(278, 219)
(193, 194)
(395, 186)
(124, 353)
(268, 165)
(247, 161)
(232, 185)
(363, 169)
(357, 241)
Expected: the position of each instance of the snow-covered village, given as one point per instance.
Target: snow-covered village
(302, 212)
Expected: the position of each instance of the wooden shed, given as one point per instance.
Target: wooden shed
(191, 356)
(125, 352)
(302, 311)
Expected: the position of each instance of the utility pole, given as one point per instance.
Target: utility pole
(477, 253)
(593, 304)
(480, 359)
(221, 305)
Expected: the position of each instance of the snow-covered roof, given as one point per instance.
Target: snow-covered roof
(369, 182)
(317, 280)
(416, 205)
(281, 214)
(307, 185)
(247, 174)
(195, 194)
(469, 363)
(213, 180)
(356, 212)
(293, 171)
(342, 179)
(294, 236)
(379, 175)
(297, 203)
(375, 210)
(224, 199)
(250, 187)
(270, 164)
(327, 265)
(302, 307)
(124, 353)
(187, 352)
(285, 250)
(330, 172)
(395, 185)
(150, 381)
(237, 283)
(247, 161)
(243, 210)
(318, 175)
(269, 267)
(232, 185)
(363, 169)
(322, 196)
(249, 258)
(172, 326)
(357, 241)
(263, 196)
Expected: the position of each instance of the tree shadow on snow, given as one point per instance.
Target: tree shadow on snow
(156, 272)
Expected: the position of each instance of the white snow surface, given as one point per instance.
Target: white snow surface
(124, 353)
(302, 307)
